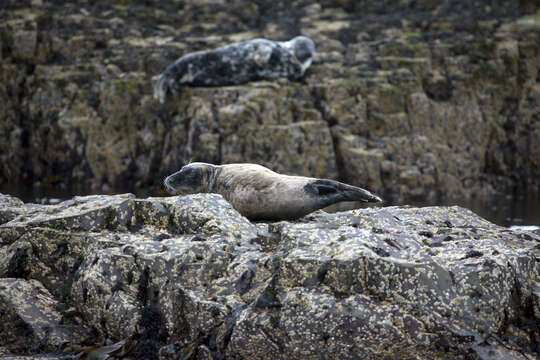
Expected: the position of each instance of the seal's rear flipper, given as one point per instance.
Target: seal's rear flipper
(354, 193)
(331, 188)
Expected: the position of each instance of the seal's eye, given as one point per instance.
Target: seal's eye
(188, 180)
(187, 171)
(302, 53)
(191, 176)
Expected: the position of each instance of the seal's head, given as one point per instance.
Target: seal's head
(192, 178)
(304, 50)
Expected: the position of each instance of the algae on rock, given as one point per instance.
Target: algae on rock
(190, 271)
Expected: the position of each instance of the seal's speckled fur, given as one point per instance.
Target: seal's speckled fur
(237, 63)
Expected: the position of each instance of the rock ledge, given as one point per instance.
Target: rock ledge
(189, 277)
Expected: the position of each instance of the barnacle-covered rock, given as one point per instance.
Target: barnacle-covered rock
(31, 321)
(190, 276)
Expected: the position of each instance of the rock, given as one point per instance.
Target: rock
(271, 146)
(25, 43)
(189, 276)
(31, 322)
(10, 207)
(36, 357)
(446, 93)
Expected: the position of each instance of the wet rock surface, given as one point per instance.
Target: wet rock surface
(189, 277)
(411, 99)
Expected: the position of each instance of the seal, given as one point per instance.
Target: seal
(236, 63)
(259, 193)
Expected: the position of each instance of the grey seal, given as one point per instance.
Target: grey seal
(259, 193)
(236, 63)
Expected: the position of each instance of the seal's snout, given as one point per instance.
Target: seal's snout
(188, 180)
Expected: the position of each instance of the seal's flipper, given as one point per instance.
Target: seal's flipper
(354, 193)
(323, 189)
(335, 189)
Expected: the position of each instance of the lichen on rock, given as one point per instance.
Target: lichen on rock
(189, 274)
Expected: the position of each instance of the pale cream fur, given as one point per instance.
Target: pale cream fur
(261, 193)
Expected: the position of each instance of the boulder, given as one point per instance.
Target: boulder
(189, 276)
(31, 322)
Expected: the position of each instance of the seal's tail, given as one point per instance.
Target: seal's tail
(161, 88)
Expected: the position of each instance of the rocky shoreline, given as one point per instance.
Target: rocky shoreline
(410, 99)
(189, 277)
(413, 100)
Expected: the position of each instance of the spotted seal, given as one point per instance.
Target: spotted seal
(259, 193)
(236, 63)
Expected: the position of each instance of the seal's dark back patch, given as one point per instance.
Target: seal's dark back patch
(326, 190)
(322, 187)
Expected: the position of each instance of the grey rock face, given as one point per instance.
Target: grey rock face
(31, 321)
(195, 277)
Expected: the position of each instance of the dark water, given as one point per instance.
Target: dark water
(55, 194)
(501, 210)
